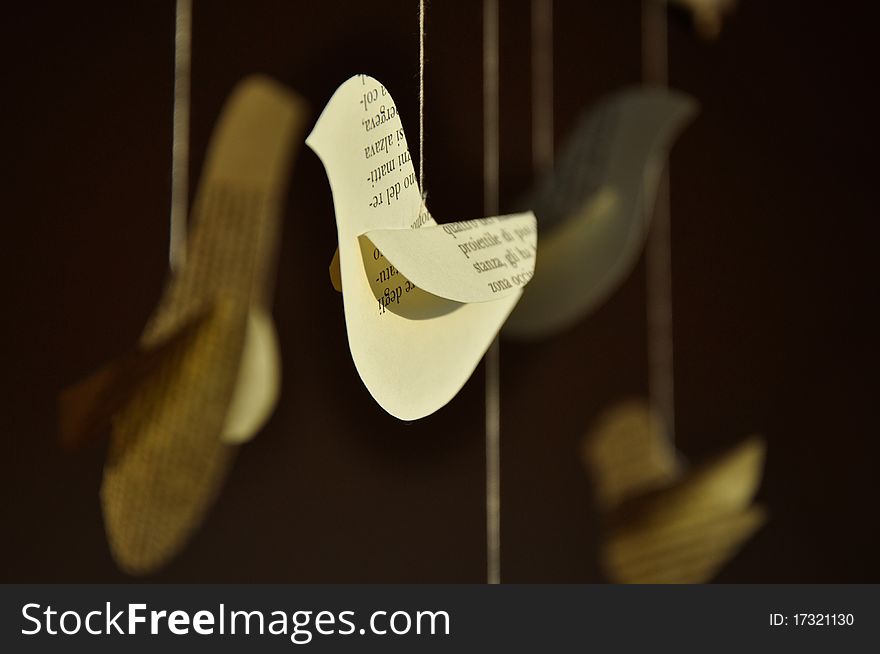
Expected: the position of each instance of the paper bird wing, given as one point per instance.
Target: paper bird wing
(593, 208)
(462, 261)
(724, 485)
(688, 550)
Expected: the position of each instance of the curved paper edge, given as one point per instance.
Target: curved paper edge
(259, 380)
(462, 346)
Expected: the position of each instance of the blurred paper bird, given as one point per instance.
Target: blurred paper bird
(205, 375)
(664, 524)
(593, 208)
(422, 301)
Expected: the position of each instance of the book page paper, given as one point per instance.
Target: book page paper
(420, 311)
(168, 457)
(665, 524)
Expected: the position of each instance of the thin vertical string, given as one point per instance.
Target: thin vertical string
(180, 135)
(542, 85)
(658, 258)
(493, 355)
(422, 97)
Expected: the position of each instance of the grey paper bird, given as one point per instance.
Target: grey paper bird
(593, 208)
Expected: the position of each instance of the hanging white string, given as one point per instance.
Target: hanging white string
(180, 135)
(422, 97)
(493, 356)
(658, 257)
(542, 85)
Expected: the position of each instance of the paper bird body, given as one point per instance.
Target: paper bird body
(206, 373)
(665, 524)
(422, 301)
(593, 208)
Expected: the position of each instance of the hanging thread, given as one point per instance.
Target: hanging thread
(493, 355)
(542, 85)
(422, 98)
(658, 256)
(180, 134)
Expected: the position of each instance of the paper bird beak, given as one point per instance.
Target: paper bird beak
(315, 140)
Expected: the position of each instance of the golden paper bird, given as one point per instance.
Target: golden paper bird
(663, 523)
(205, 375)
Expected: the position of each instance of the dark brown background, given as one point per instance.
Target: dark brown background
(774, 237)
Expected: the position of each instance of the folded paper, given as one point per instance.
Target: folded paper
(422, 301)
(663, 523)
(594, 207)
(206, 373)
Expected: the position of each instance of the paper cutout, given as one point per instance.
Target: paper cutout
(594, 207)
(213, 375)
(664, 524)
(422, 301)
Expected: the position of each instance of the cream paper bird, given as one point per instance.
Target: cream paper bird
(593, 208)
(205, 375)
(665, 523)
(422, 301)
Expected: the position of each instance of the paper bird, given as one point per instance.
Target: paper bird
(205, 375)
(422, 301)
(664, 524)
(593, 208)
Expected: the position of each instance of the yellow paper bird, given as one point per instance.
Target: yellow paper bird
(664, 523)
(422, 301)
(205, 375)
